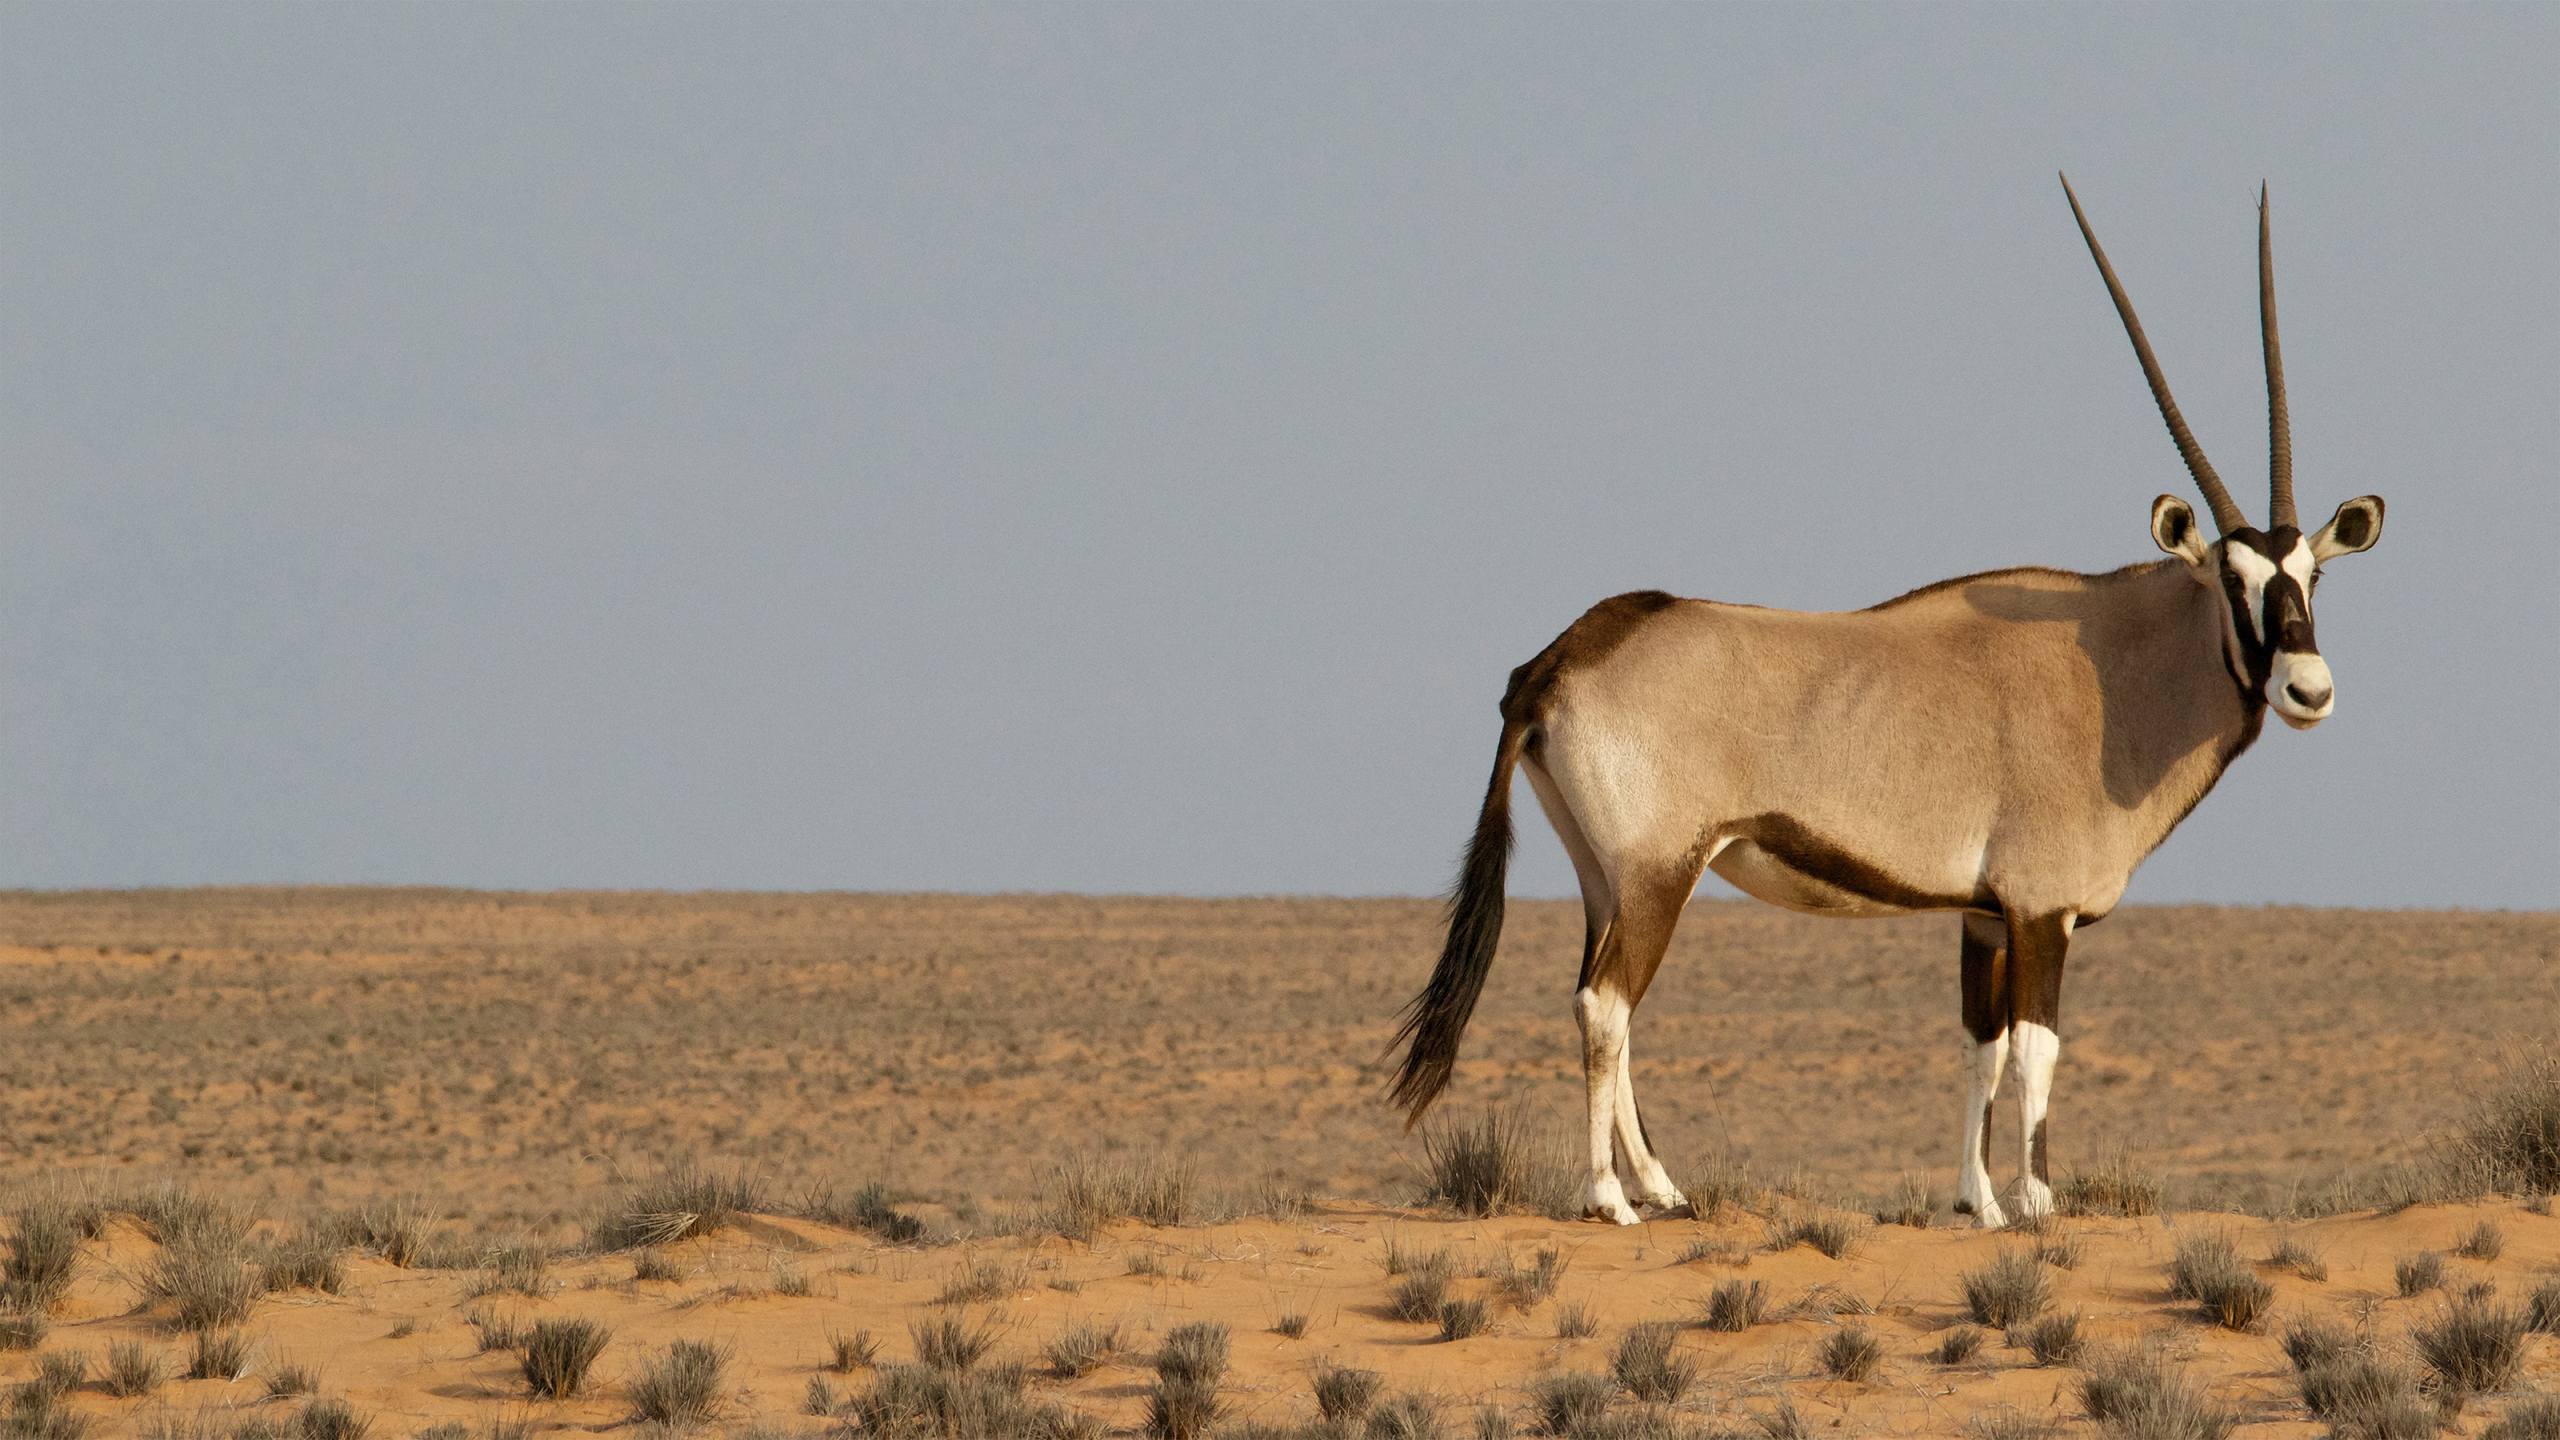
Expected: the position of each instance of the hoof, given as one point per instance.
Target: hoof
(1666, 1201)
(1986, 1216)
(1621, 1214)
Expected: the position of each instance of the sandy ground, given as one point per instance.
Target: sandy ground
(1328, 1268)
(512, 1055)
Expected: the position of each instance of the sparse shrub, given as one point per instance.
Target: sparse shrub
(1833, 1235)
(2207, 1270)
(1736, 1305)
(59, 1372)
(331, 1420)
(920, 1401)
(308, 1260)
(1648, 1364)
(1911, 1203)
(1405, 1417)
(865, 1209)
(653, 1265)
(682, 1386)
(1851, 1353)
(132, 1369)
(2484, 1242)
(1086, 1194)
(1292, 1326)
(1527, 1285)
(2542, 1311)
(1081, 1348)
(1183, 1403)
(1571, 1405)
(848, 1353)
(2052, 1339)
(1463, 1319)
(2310, 1342)
(2291, 1254)
(518, 1267)
(1958, 1345)
(2007, 1425)
(1496, 1162)
(947, 1341)
(557, 1353)
(2473, 1346)
(2418, 1274)
(979, 1280)
(218, 1355)
(2530, 1417)
(2116, 1185)
(2510, 1142)
(2011, 1290)
(1419, 1295)
(399, 1230)
(289, 1378)
(1344, 1395)
(2135, 1395)
(1576, 1322)
(203, 1273)
(22, 1329)
(684, 1199)
(2363, 1397)
(43, 1255)
(496, 1332)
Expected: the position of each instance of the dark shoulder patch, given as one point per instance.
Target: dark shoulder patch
(1587, 641)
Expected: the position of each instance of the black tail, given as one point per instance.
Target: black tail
(1438, 1016)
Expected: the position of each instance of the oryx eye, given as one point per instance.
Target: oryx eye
(2315, 579)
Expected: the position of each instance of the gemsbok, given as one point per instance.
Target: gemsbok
(2009, 745)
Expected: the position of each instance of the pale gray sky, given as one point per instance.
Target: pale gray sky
(1126, 447)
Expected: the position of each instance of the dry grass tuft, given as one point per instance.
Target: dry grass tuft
(2473, 1346)
(2291, 1254)
(1463, 1319)
(1344, 1395)
(2418, 1274)
(867, 1208)
(848, 1353)
(2484, 1242)
(1852, 1353)
(1647, 1363)
(132, 1369)
(682, 1200)
(1833, 1235)
(43, 1255)
(1958, 1345)
(2529, 1417)
(2116, 1185)
(1497, 1162)
(1735, 1306)
(2136, 1395)
(306, 1260)
(1086, 1193)
(976, 1281)
(1081, 1349)
(2011, 1290)
(330, 1420)
(1183, 1403)
(203, 1272)
(2207, 1269)
(290, 1378)
(2007, 1425)
(2542, 1309)
(948, 1341)
(1911, 1203)
(2510, 1142)
(1571, 1405)
(2051, 1339)
(682, 1386)
(218, 1355)
(1405, 1417)
(1423, 1290)
(1526, 1285)
(1576, 1322)
(558, 1352)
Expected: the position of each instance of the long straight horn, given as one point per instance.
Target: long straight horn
(2279, 420)
(2226, 514)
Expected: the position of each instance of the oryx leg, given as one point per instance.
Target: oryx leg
(2036, 948)
(1986, 1051)
(1615, 974)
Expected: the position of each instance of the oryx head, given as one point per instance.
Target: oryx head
(2265, 576)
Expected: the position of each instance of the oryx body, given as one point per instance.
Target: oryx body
(2009, 745)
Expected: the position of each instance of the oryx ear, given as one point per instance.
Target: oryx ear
(2355, 527)
(2173, 528)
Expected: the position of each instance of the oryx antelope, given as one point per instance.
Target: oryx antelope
(2009, 745)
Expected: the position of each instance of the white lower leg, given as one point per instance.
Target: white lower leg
(1653, 1183)
(1975, 1196)
(1603, 1017)
(2038, 1049)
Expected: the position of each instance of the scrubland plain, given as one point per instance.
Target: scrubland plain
(408, 1147)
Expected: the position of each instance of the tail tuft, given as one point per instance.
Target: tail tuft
(1438, 1016)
